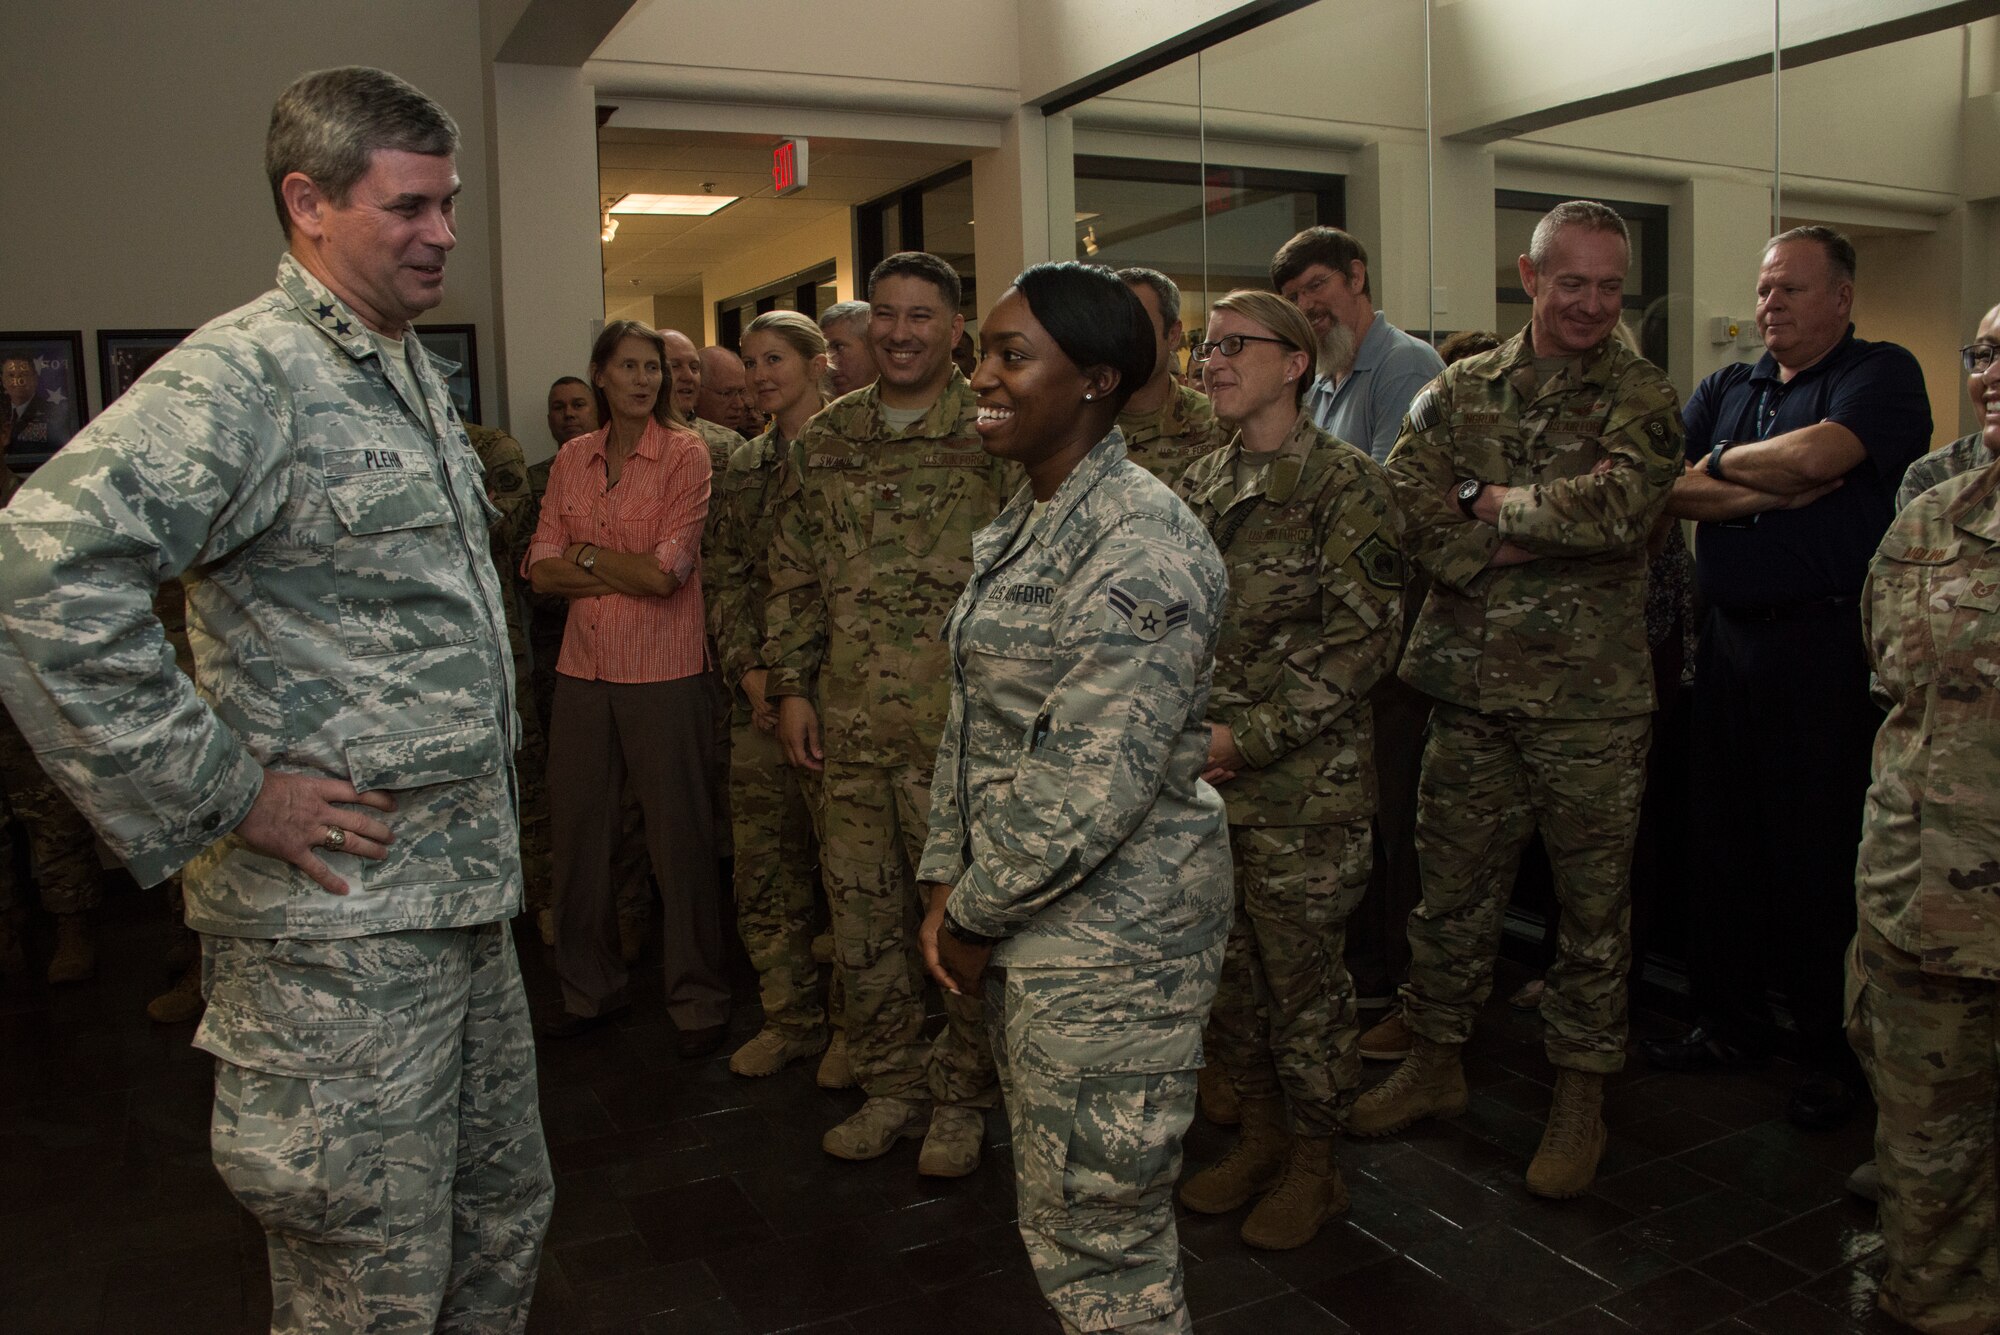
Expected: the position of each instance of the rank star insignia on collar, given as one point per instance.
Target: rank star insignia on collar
(342, 327)
(1144, 617)
(323, 311)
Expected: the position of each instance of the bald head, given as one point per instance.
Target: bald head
(725, 392)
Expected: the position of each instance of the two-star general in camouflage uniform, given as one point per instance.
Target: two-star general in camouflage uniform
(375, 1078)
(1313, 620)
(1540, 671)
(1069, 814)
(873, 544)
(775, 878)
(1924, 973)
(1181, 430)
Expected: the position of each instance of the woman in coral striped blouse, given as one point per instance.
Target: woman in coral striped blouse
(620, 536)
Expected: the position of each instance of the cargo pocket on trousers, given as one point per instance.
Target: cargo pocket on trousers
(1130, 1096)
(296, 1131)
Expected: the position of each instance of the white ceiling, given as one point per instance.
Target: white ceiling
(664, 256)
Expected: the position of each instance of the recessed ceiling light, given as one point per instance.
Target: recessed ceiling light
(679, 206)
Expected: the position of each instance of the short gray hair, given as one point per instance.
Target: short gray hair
(1839, 250)
(1585, 213)
(1162, 287)
(329, 123)
(841, 312)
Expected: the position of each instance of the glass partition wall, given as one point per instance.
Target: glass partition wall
(1437, 133)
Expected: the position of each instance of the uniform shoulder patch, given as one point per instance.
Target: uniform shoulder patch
(1145, 618)
(1380, 562)
(1427, 409)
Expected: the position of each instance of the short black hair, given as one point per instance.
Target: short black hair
(568, 380)
(1330, 246)
(1094, 318)
(924, 265)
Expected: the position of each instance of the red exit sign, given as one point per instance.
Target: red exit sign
(788, 167)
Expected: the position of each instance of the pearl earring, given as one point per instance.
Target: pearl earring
(1088, 397)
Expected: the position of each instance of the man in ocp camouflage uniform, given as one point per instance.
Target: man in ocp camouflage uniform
(60, 844)
(1166, 425)
(873, 545)
(1923, 973)
(341, 789)
(505, 469)
(1529, 479)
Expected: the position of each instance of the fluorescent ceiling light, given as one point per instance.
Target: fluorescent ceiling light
(679, 206)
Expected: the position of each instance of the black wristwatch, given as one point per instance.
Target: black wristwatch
(1714, 465)
(965, 935)
(1468, 495)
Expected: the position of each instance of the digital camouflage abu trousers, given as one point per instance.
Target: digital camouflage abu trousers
(375, 1109)
(1097, 1067)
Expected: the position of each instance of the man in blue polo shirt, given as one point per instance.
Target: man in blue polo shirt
(1793, 465)
(1369, 370)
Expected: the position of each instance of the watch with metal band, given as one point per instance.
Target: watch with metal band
(1468, 495)
(965, 935)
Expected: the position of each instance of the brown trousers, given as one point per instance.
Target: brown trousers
(660, 734)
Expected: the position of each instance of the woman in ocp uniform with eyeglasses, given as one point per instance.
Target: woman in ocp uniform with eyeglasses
(1309, 532)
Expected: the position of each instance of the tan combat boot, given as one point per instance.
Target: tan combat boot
(181, 1002)
(1252, 1166)
(1566, 1163)
(772, 1050)
(874, 1130)
(836, 1069)
(951, 1146)
(1217, 1096)
(1429, 1083)
(1309, 1194)
(76, 949)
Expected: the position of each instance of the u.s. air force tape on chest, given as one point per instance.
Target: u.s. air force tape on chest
(1145, 618)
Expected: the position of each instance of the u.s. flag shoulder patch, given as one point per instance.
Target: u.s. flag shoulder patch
(1144, 617)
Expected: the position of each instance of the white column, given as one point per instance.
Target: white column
(548, 266)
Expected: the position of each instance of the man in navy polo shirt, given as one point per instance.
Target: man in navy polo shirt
(1793, 465)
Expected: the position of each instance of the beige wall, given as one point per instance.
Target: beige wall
(830, 238)
(136, 196)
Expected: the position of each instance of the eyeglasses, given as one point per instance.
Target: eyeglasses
(1231, 344)
(1978, 356)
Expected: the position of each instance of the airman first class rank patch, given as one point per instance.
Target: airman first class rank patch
(1143, 617)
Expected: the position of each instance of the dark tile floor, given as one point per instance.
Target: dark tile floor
(690, 1201)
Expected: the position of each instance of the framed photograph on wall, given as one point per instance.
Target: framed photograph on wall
(42, 401)
(456, 343)
(124, 354)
